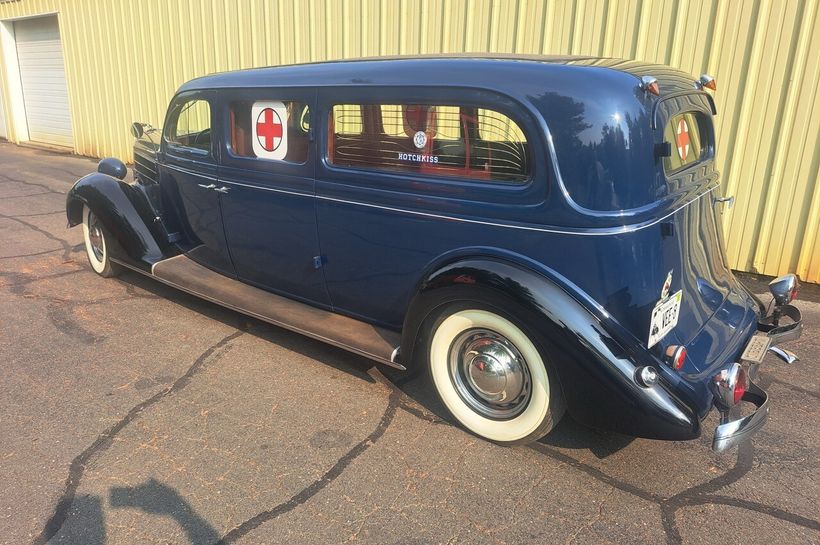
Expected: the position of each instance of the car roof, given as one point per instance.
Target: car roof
(466, 69)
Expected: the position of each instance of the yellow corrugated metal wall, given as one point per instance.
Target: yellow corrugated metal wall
(125, 58)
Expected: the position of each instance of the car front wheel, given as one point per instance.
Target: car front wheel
(492, 377)
(96, 246)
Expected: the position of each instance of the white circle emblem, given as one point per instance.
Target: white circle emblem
(420, 139)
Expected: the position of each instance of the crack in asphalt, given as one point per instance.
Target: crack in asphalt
(322, 482)
(700, 494)
(105, 439)
(54, 213)
(792, 387)
(758, 507)
(35, 254)
(66, 246)
(6, 197)
(32, 184)
(60, 311)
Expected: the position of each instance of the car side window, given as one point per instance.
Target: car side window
(271, 130)
(190, 127)
(442, 140)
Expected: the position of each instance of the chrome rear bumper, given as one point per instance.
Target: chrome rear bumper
(732, 432)
(786, 332)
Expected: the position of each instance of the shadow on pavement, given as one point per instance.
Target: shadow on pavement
(337, 358)
(568, 434)
(156, 498)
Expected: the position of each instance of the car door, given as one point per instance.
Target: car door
(268, 207)
(188, 169)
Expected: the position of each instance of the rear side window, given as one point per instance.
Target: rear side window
(272, 130)
(685, 133)
(442, 140)
(191, 126)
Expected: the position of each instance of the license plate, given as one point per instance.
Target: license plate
(755, 351)
(664, 317)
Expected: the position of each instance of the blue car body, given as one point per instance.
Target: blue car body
(587, 243)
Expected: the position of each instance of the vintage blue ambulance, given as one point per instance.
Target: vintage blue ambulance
(540, 235)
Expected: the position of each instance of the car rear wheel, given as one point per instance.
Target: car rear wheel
(96, 247)
(492, 377)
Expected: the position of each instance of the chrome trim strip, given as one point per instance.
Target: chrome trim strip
(600, 231)
(191, 172)
(595, 231)
(273, 189)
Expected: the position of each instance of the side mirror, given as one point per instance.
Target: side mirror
(784, 289)
(137, 130)
(112, 167)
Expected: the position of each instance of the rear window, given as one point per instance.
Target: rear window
(442, 140)
(684, 132)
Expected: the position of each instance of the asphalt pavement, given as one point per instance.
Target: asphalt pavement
(132, 413)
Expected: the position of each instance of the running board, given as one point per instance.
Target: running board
(354, 335)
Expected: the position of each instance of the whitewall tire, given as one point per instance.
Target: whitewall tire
(96, 246)
(492, 377)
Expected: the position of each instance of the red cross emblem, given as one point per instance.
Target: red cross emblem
(269, 129)
(683, 139)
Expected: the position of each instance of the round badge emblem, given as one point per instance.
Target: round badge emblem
(420, 139)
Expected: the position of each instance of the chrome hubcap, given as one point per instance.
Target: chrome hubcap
(95, 236)
(489, 374)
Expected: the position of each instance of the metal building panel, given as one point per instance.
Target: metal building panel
(125, 59)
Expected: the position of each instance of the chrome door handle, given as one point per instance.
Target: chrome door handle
(729, 201)
(222, 189)
(209, 186)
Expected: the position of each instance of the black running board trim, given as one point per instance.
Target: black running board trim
(353, 335)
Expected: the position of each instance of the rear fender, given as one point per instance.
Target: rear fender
(127, 215)
(596, 364)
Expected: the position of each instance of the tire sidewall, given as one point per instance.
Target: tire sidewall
(546, 405)
(101, 267)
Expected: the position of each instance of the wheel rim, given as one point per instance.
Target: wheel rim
(95, 237)
(490, 374)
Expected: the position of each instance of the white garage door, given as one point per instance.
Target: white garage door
(42, 73)
(3, 133)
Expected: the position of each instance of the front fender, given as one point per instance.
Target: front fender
(126, 214)
(595, 361)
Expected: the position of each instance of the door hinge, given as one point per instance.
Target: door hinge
(318, 261)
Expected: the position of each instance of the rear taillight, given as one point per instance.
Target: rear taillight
(784, 289)
(741, 384)
(675, 356)
(728, 386)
